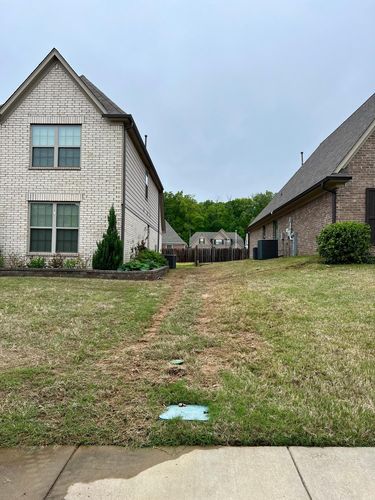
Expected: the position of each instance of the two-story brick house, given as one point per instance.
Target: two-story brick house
(67, 154)
(216, 239)
(336, 183)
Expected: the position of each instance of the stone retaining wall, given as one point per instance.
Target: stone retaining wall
(154, 274)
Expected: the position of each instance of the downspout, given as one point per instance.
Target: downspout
(125, 129)
(159, 223)
(334, 197)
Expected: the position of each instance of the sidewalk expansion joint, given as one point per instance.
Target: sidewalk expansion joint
(60, 473)
(299, 473)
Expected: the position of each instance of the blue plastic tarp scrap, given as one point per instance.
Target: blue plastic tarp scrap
(188, 412)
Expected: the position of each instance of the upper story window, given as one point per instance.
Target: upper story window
(56, 146)
(219, 242)
(202, 241)
(146, 185)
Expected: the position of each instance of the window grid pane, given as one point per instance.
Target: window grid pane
(43, 135)
(41, 215)
(70, 136)
(43, 157)
(40, 240)
(67, 215)
(69, 157)
(67, 240)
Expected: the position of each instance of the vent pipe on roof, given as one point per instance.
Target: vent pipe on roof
(146, 141)
(301, 158)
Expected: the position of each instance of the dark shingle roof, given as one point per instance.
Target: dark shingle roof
(109, 105)
(170, 237)
(326, 158)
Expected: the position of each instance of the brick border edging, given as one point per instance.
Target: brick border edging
(152, 275)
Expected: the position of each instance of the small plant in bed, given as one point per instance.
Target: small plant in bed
(37, 263)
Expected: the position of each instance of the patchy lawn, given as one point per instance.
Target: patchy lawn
(281, 351)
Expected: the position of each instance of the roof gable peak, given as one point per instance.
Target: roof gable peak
(38, 73)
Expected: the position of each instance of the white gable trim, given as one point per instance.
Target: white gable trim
(355, 148)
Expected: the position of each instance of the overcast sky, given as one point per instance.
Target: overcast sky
(229, 92)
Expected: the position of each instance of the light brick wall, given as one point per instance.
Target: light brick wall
(57, 99)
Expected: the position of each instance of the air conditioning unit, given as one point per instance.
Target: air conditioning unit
(268, 249)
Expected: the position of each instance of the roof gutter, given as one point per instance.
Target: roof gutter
(339, 179)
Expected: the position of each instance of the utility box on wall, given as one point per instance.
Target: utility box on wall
(268, 249)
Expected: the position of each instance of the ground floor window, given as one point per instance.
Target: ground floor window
(370, 211)
(275, 229)
(54, 227)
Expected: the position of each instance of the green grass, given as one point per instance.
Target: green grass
(281, 351)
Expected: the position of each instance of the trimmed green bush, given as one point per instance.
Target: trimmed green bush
(345, 243)
(2, 261)
(149, 255)
(109, 252)
(37, 263)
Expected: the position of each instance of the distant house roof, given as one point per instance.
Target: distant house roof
(327, 160)
(210, 235)
(170, 237)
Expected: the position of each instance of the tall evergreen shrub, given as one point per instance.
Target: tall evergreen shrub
(109, 252)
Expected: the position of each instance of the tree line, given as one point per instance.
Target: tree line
(187, 215)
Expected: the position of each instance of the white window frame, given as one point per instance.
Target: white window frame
(54, 228)
(202, 241)
(55, 147)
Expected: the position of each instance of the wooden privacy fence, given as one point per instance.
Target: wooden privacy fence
(206, 255)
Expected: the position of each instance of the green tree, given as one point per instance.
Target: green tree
(183, 213)
(109, 252)
(186, 215)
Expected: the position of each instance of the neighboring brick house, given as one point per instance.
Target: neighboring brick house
(218, 239)
(67, 154)
(171, 240)
(336, 183)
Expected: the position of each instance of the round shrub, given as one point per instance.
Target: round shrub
(345, 243)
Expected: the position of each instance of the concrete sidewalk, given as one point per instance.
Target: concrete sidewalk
(109, 472)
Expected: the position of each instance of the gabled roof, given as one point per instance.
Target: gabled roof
(38, 73)
(108, 104)
(170, 237)
(327, 160)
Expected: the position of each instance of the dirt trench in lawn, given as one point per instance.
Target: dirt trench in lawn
(191, 324)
